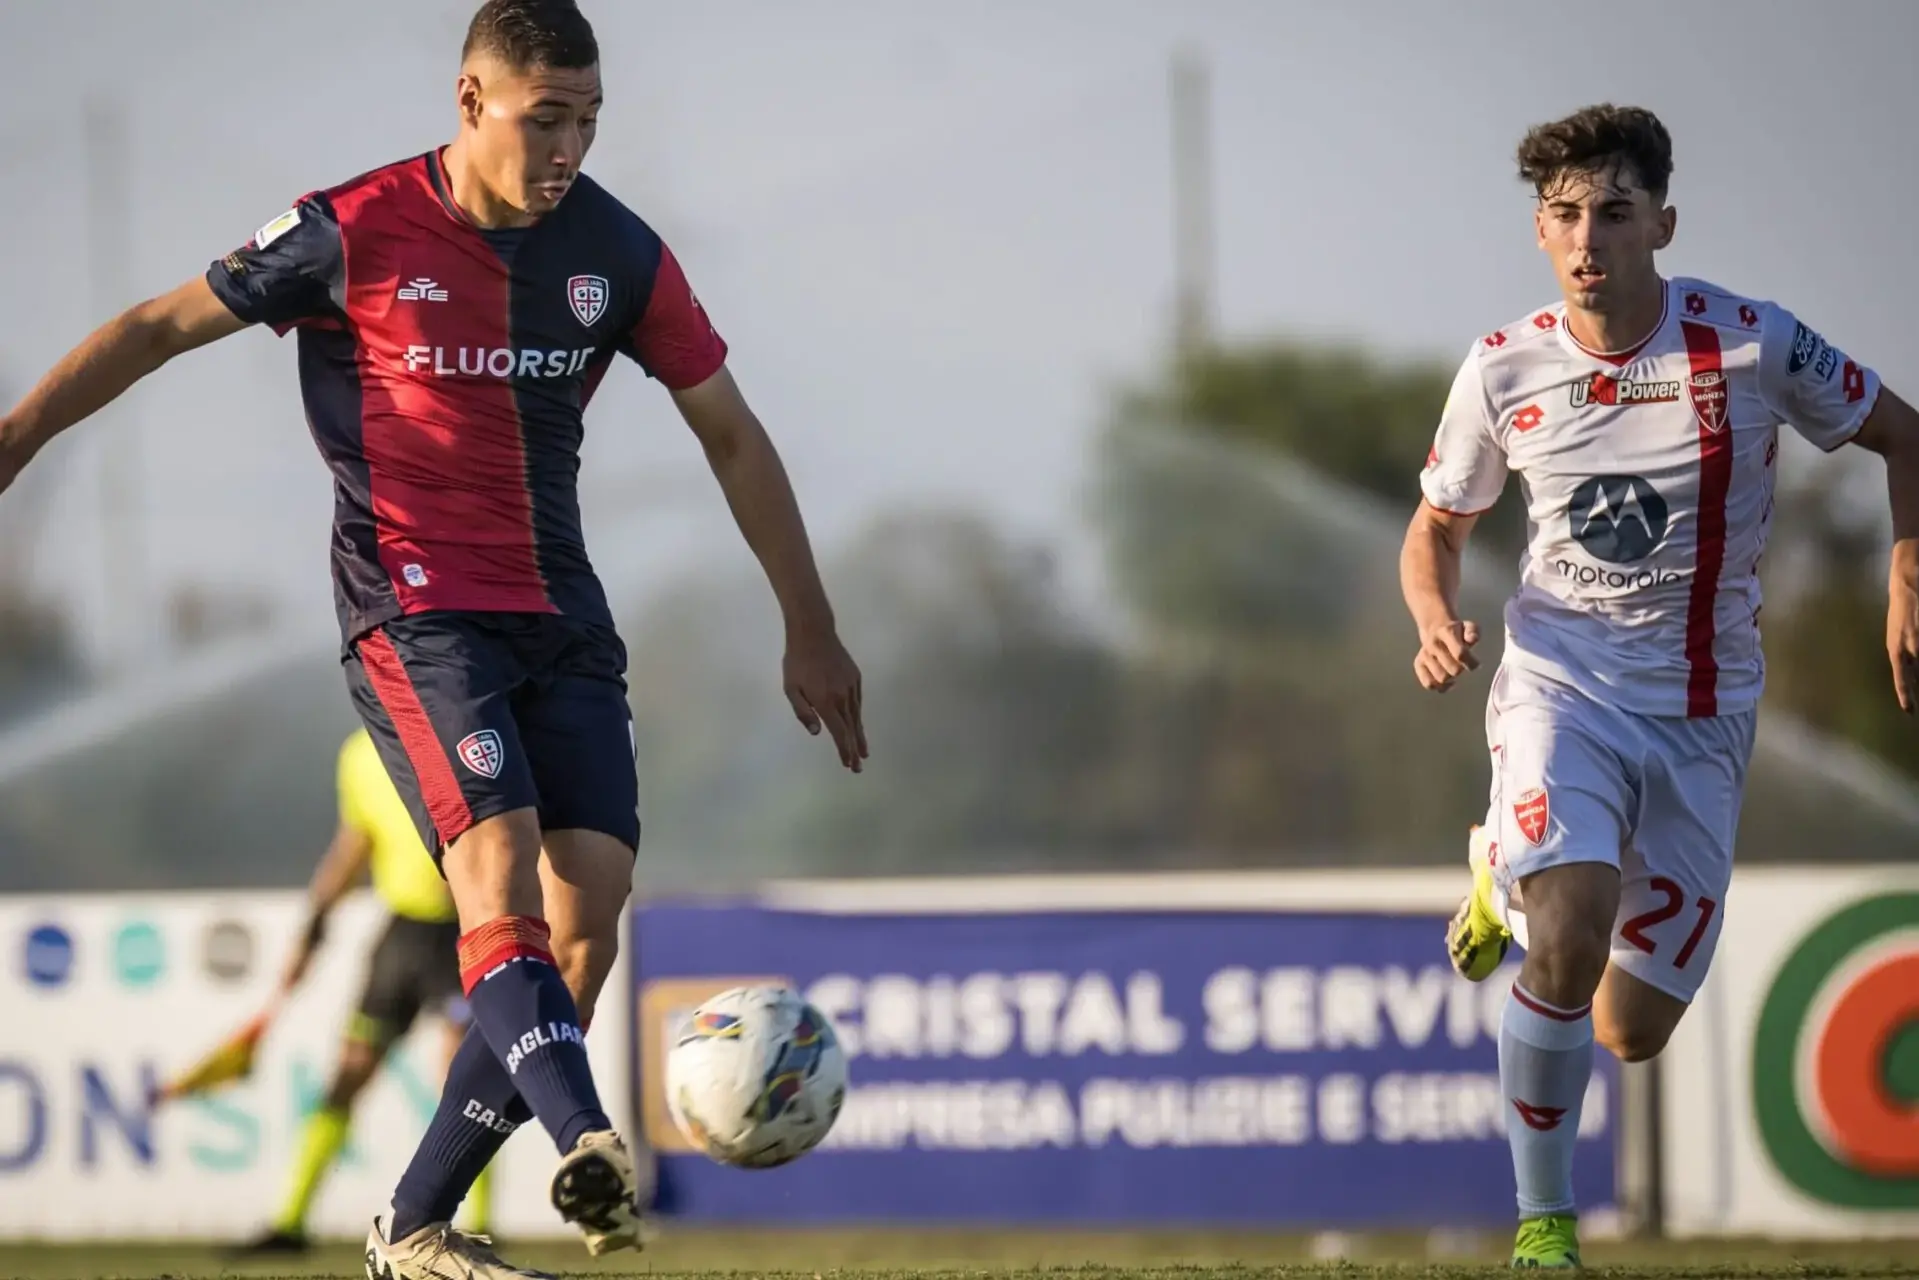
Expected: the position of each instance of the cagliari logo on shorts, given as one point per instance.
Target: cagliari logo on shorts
(1835, 1058)
(482, 752)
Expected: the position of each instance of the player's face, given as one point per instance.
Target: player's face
(530, 130)
(1601, 231)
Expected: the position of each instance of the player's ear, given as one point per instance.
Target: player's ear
(467, 95)
(1539, 222)
(1668, 223)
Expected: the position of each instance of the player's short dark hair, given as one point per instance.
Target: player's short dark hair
(1596, 138)
(529, 34)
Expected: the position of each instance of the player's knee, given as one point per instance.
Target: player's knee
(1569, 918)
(1566, 956)
(493, 868)
(1628, 1042)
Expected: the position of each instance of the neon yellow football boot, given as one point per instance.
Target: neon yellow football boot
(1550, 1243)
(1476, 940)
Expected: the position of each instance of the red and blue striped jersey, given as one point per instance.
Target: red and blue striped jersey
(445, 370)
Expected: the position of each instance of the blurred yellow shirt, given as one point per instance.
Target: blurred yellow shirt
(403, 872)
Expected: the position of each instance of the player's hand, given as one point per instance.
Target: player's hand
(297, 968)
(1445, 654)
(823, 684)
(1902, 642)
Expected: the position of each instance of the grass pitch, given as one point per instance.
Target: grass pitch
(1014, 1255)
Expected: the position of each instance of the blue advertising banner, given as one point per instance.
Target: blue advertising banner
(1288, 1070)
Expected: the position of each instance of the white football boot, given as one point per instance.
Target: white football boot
(438, 1252)
(599, 1189)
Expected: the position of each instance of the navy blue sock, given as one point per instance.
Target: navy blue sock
(479, 1108)
(521, 1004)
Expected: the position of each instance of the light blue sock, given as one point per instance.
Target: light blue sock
(1545, 1062)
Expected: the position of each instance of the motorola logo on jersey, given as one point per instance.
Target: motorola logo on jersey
(496, 362)
(1619, 519)
(1604, 389)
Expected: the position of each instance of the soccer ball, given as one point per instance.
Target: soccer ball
(756, 1077)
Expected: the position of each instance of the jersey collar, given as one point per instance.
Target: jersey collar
(1619, 359)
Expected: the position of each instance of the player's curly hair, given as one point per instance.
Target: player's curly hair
(529, 34)
(1596, 138)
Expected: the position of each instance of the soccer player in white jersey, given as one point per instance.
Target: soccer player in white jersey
(1641, 414)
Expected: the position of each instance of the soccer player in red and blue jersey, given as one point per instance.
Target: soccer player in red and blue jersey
(454, 313)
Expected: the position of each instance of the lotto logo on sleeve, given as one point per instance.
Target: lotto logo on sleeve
(1835, 1058)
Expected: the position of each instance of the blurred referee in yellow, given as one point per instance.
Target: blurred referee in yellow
(413, 968)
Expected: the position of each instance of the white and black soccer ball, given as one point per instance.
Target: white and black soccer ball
(756, 1077)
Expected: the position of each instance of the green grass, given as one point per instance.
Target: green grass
(1006, 1255)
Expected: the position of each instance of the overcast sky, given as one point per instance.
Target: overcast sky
(931, 232)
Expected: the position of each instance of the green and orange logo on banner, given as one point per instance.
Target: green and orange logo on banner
(1836, 1058)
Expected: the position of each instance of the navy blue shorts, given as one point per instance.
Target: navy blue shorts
(479, 714)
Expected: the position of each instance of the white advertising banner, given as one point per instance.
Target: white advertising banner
(1791, 1091)
(105, 997)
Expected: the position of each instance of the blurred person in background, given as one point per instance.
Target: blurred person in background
(413, 968)
(1641, 414)
(456, 311)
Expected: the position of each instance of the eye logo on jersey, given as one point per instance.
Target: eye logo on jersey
(1604, 389)
(1618, 519)
(587, 295)
(1710, 398)
(496, 362)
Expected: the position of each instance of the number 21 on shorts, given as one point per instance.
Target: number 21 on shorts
(1672, 903)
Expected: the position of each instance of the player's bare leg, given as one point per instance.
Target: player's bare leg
(585, 879)
(1634, 1019)
(1546, 1048)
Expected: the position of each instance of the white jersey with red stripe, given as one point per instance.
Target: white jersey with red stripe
(1648, 482)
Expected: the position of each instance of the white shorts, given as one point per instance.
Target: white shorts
(1576, 780)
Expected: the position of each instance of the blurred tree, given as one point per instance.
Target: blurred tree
(1826, 623)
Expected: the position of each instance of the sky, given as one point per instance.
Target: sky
(935, 236)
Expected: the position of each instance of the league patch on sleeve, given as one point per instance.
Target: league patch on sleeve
(275, 229)
(1808, 348)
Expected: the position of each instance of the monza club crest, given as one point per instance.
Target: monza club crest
(1533, 814)
(482, 752)
(1708, 389)
(587, 296)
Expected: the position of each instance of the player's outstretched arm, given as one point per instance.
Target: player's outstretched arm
(340, 867)
(822, 682)
(1429, 579)
(112, 358)
(1891, 430)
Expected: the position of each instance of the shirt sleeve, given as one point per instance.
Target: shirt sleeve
(291, 271)
(1813, 386)
(674, 340)
(1466, 469)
